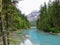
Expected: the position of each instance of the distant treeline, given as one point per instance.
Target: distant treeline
(49, 17)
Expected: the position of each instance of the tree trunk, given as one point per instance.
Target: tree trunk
(2, 30)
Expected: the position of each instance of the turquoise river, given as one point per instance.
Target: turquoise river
(41, 38)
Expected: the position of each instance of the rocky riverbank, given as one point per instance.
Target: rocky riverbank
(14, 39)
(54, 33)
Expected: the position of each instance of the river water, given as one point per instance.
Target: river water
(41, 38)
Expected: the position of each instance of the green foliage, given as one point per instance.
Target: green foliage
(49, 19)
(16, 18)
(13, 20)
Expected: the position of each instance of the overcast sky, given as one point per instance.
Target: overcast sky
(27, 6)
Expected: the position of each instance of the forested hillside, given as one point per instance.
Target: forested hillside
(11, 19)
(49, 17)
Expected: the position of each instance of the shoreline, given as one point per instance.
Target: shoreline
(50, 32)
(54, 33)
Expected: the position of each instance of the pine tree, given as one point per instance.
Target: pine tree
(50, 17)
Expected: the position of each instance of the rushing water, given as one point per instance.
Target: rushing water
(41, 38)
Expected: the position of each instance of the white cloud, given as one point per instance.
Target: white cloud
(27, 6)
